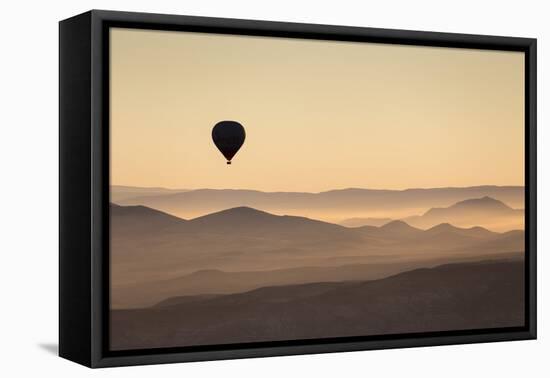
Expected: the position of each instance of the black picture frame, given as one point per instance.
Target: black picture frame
(84, 186)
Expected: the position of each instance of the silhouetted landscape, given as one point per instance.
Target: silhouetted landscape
(485, 211)
(242, 274)
(333, 206)
(449, 297)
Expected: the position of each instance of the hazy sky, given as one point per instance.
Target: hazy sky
(318, 115)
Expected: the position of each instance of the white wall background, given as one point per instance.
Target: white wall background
(28, 210)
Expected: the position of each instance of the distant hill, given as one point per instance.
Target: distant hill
(152, 245)
(135, 220)
(485, 211)
(213, 282)
(485, 204)
(397, 230)
(447, 234)
(152, 251)
(121, 192)
(447, 228)
(331, 206)
(450, 297)
(359, 222)
(246, 221)
(444, 237)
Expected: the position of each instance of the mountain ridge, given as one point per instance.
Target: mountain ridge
(483, 211)
(486, 203)
(156, 247)
(254, 215)
(332, 205)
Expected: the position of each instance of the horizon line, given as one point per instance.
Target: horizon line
(316, 192)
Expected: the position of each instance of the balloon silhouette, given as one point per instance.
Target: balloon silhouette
(228, 136)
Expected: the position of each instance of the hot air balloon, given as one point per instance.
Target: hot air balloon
(228, 136)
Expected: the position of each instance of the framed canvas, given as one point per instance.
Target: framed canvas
(235, 188)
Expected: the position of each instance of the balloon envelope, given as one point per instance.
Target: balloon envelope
(228, 136)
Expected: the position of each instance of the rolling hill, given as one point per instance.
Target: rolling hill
(359, 222)
(450, 297)
(255, 223)
(332, 206)
(136, 220)
(394, 230)
(153, 253)
(486, 211)
(122, 192)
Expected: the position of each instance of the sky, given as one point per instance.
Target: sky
(319, 115)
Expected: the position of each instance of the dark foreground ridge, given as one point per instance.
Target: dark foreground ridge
(449, 297)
